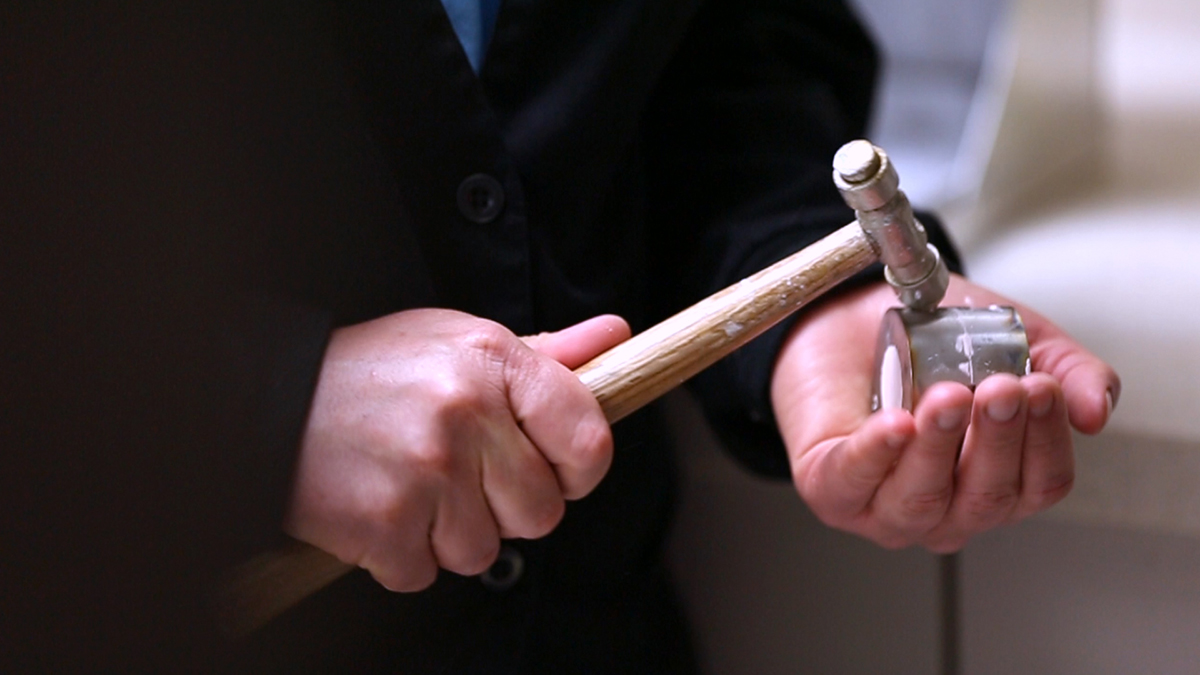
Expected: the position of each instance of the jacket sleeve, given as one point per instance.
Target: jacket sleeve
(741, 136)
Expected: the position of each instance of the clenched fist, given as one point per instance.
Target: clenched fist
(433, 434)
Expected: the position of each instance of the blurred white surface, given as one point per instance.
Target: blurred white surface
(771, 591)
(1047, 599)
(932, 54)
(1107, 244)
(768, 588)
(1062, 147)
(1119, 277)
(1108, 248)
(1071, 174)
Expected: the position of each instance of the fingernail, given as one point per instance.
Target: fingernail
(1112, 404)
(1004, 409)
(952, 419)
(1041, 405)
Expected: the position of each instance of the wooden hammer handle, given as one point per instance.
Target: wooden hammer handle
(624, 379)
(650, 364)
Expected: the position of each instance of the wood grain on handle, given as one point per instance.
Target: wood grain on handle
(269, 584)
(653, 362)
(624, 379)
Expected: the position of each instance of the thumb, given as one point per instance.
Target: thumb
(576, 345)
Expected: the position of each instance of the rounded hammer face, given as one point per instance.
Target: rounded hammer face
(869, 184)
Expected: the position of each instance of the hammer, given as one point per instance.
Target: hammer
(650, 364)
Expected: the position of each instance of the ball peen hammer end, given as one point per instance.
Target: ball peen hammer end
(869, 184)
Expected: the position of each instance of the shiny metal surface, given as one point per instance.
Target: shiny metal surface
(869, 184)
(956, 344)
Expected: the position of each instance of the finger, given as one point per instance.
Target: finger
(520, 485)
(399, 554)
(465, 536)
(1090, 386)
(562, 419)
(576, 345)
(917, 495)
(821, 383)
(1048, 464)
(402, 565)
(839, 478)
(1092, 390)
(380, 523)
(989, 470)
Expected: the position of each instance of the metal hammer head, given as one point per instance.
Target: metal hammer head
(869, 184)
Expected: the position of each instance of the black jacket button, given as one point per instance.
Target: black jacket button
(506, 571)
(480, 198)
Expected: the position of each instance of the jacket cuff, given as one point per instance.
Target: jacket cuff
(277, 349)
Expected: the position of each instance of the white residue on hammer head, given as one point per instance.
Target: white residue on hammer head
(963, 345)
(891, 380)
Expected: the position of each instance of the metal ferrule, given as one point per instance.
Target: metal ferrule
(873, 191)
(914, 267)
(925, 293)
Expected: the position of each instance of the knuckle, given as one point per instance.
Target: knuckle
(489, 339)
(402, 576)
(988, 503)
(432, 459)
(477, 559)
(410, 580)
(830, 516)
(592, 443)
(387, 511)
(456, 399)
(807, 479)
(541, 520)
(547, 518)
(860, 479)
(377, 434)
(925, 506)
(1052, 492)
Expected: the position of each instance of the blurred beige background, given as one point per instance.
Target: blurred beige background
(1059, 138)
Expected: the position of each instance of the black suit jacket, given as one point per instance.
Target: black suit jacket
(196, 194)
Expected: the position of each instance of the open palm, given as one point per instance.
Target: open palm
(964, 461)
